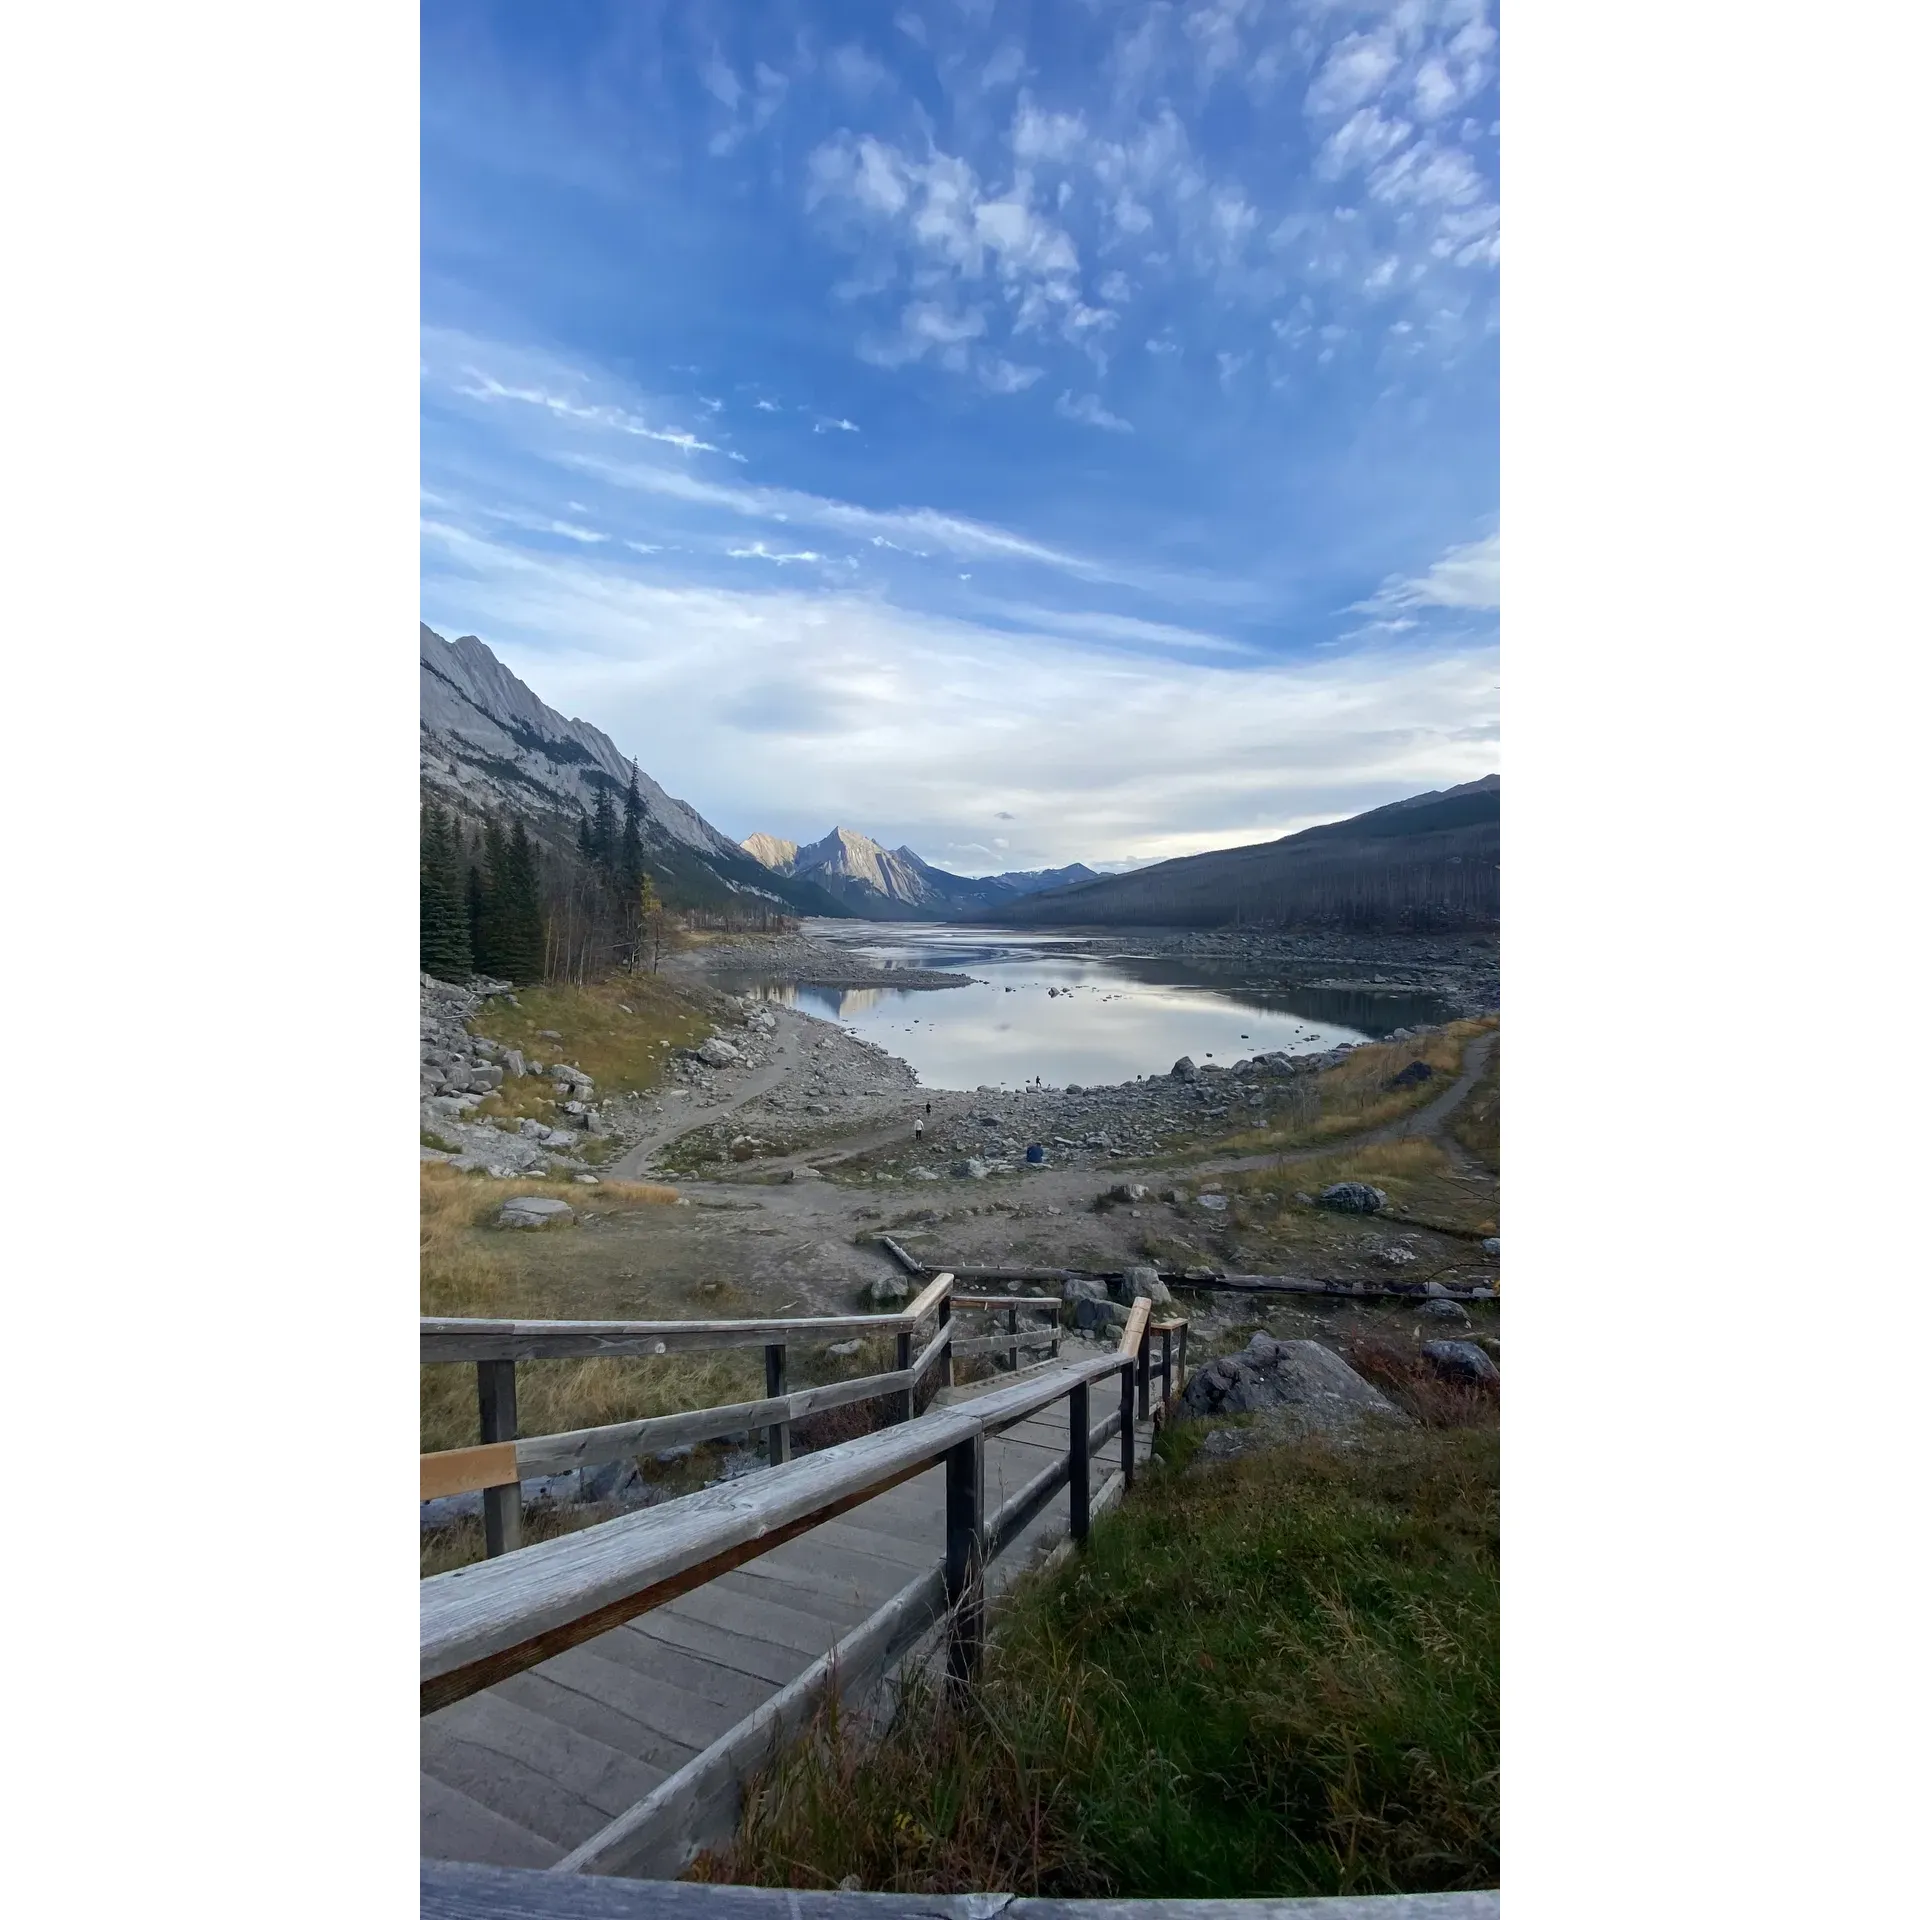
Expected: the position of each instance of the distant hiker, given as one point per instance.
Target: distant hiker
(919, 1127)
(929, 1109)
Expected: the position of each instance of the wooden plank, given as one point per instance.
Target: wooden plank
(758, 1659)
(663, 1831)
(455, 1827)
(598, 1719)
(468, 1469)
(457, 1891)
(681, 1721)
(929, 1297)
(1012, 1515)
(479, 1623)
(1039, 1302)
(776, 1390)
(899, 1252)
(443, 1341)
(966, 1557)
(630, 1439)
(748, 1615)
(932, 1351)
(697, 1700)
(601, 1776)
(1135, 1329)
(831, 1593)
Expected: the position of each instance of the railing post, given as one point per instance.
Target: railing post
(499, 1420)
(1079, 1462)
(1183, 1358)
(946, 1352)
(903, 1358)
(776, 1386)
(1126, 1424)
(1143, 1377)
(1055, 1353)
(966, 1560)
(1013, 1331)
(1166, 1370)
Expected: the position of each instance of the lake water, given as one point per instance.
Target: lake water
(1041, 1010)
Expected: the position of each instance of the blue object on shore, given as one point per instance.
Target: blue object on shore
(1036, 1154)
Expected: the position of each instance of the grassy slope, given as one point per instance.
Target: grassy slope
(1477, 1124)
(1273, 1676)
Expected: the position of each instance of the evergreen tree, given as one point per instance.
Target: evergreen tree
(632, 865)
(519, 927)
(584, 838)
(605, 842)
(445, 951)
(486, 890)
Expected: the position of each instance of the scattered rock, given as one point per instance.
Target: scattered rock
(1144, 1283)
(516, 1063)
(715, 1052)
(1214, 1202)
(888, 1290)
(533, 1210)
(586, 1179)
(1393, 1256)
(1444, 1310)
(795, 1175)
(1411, 1074)
(1352, 1196)
(1461, 1361)
(1184, 1069)
(970, 1170)
(1491, 1246)
(1128, 1191)
(844, 1349)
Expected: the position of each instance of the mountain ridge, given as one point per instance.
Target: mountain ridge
(1432, 859)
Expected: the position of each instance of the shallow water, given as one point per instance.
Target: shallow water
(1062, 1017)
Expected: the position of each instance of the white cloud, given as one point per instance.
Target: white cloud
(1086, 408)
(1038, 135)
(1466, 577)
(761, 551)
(824, 425)
(1003, 376)
(909, 721)
(1356, 70)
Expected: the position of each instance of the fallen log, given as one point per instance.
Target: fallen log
(1211, 1280)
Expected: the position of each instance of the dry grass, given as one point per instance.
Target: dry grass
(1477, 1123)
(1358, 1094)
(621, 1032)
(462, 1275)
(1399, 1372)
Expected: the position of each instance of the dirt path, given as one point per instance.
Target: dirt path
(818, 1206)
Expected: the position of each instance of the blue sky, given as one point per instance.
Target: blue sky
(1031, 432)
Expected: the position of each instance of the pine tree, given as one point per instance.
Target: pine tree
(519, 930)
(445, 951)
(605, 847)
(632, 866)
(486, 890)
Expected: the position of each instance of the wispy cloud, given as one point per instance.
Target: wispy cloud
(1464, 577)
(761, 551)
(1087, 409)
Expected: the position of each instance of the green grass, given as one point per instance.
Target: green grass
(621, 1031)
(1272, 1676)
(1477, 1124)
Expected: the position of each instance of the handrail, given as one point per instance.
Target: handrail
(481, 1623)
(445, 1341)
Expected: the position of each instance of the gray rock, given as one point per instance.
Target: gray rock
(1145, 1283)
(1411, 1074)
(1353, 1196)
(844, 1349)
(533, 1210)
(922, 1173)
(1491, 1246)
(586, 1179)
(797, 1175)
(889, 1290)
(516, 1063)
(1214, 1202)
(1088, 1315)
(1450, 1310)
(1298, 1386)
(534, 1130)
(434, 1154)
(559, 1137)
(715, 1052)
(1080, 1288)
(1184, 1069)
(1393, 1256)
(970, 1170)
(487, 1077)
(1130, 1191)
(1460, 1361)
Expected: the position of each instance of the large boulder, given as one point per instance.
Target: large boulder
(1144, 1283)
(1298, 1387)
(1460, 1361)
(1450, 1310)
(1352, 1196)
(715, 1052)
(1184, 1069)
(888, 1290)
(970, 1170)
(534, 1210)
(1411, 1074)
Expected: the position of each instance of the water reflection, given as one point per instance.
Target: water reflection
(1064, 1017)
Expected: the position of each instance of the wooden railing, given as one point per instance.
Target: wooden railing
(496, 1468)
(481, 1624)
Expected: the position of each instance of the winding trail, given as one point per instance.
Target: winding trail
(819, 1207)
